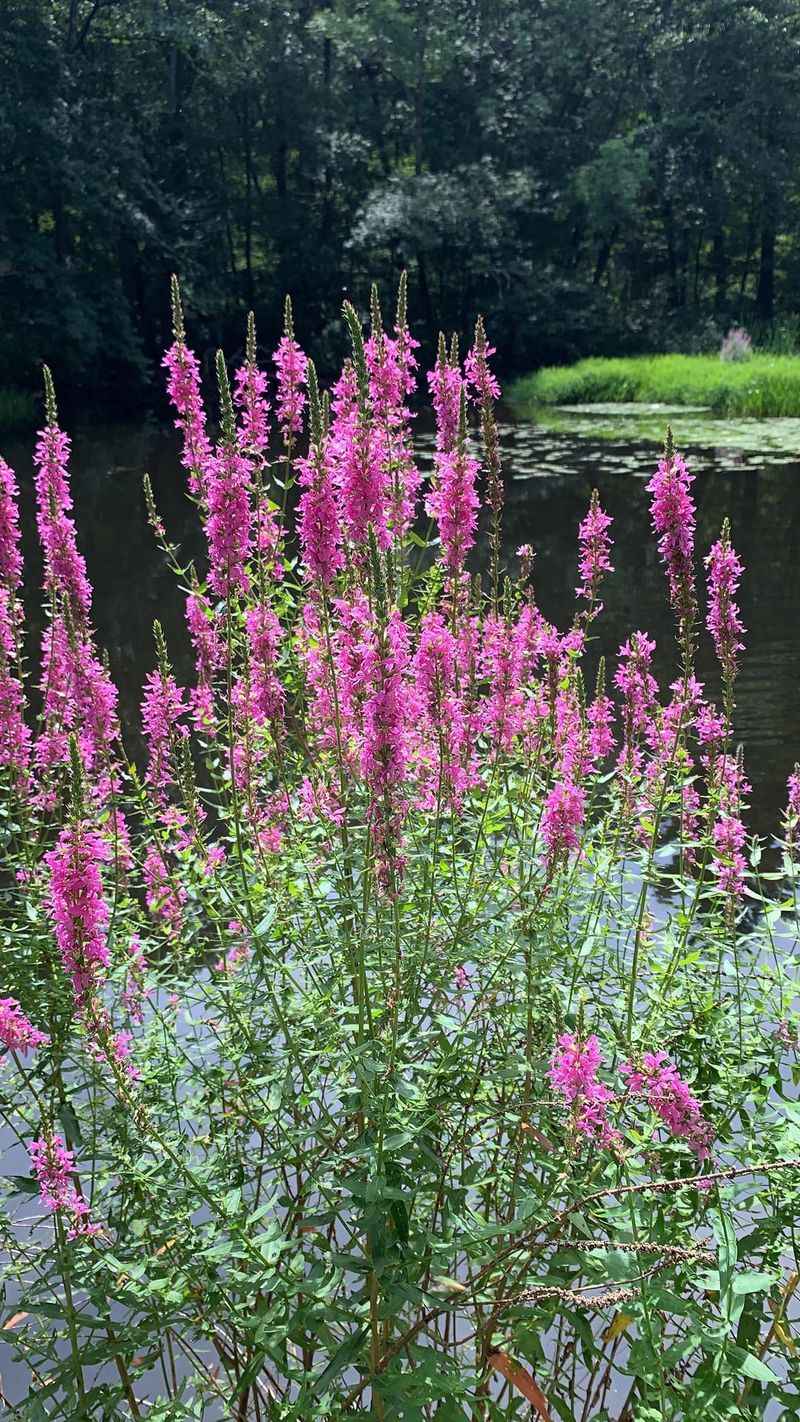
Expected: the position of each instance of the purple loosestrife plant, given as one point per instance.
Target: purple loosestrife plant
(385, 995)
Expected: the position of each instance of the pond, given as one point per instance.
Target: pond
(748, 470)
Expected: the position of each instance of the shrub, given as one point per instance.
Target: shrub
(408, 1034)
(737, 345)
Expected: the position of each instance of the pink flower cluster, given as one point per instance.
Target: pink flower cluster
(723, 619)
(164, 726)
(229, 524)
(54, 1166)
(453, 503)
(291, 366)
(729, 864)
(573, 1072)
(445, 383)
(209, 656)
(183, 386)
(669, 1096)
(78, 694)
(594, 558)
(17, 1032)
(318, 525)
(562, 820)
(359, 466)
(250, 399)
(385, 747)
(574, 1068)
(672, 511)
(78, 907)
(15, 736)
(10, 555)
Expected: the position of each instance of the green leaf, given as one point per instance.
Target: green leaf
(752, 1283)
(750, 1366)
(341, 1358)
(21, 1184)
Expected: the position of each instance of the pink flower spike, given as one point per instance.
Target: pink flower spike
(78, 907)
(729, 864)
(183, 387)
(318, 525)
(291, 366)
(723, 620)
(250, 399)
(669, 1096)
(17, 1032)
(454, 504)
(562, 821)
(10, 555)
(53, 1166)
(595, 549)
(574, 1066)
(229, 525)
(673, 516)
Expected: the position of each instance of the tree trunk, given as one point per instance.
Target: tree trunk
(719, 266)
(765, 292)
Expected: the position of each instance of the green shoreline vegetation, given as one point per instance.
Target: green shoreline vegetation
(763, 385)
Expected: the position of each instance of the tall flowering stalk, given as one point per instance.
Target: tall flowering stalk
(386, 730)
(672, 512)
(79, 697)
(209, 654)
(723, 619)
(725, 781)
(318, 525)
(445, 383)
(229, 521)
(291, 367)
(250, 398)
(791, 816)
(574, 1074)
(54, 1169)
(361, 473)
(639, 688)
(594, 558)
(15, 735)
(78, 908)
(183, 386)
(391, 364)
(486, 390)
(453, 501)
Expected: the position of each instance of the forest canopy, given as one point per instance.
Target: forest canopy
(599, 177)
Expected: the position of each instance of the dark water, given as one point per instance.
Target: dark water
(550, 477)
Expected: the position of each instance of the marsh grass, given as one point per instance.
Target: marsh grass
(765, 385)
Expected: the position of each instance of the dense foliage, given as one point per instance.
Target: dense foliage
(601, 176)
(410, 1034)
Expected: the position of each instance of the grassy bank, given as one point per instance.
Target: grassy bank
(763, 385)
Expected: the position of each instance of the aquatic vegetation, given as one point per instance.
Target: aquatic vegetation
(764, 385)
(412, 1031)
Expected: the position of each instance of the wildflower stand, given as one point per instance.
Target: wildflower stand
(406, 1011)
